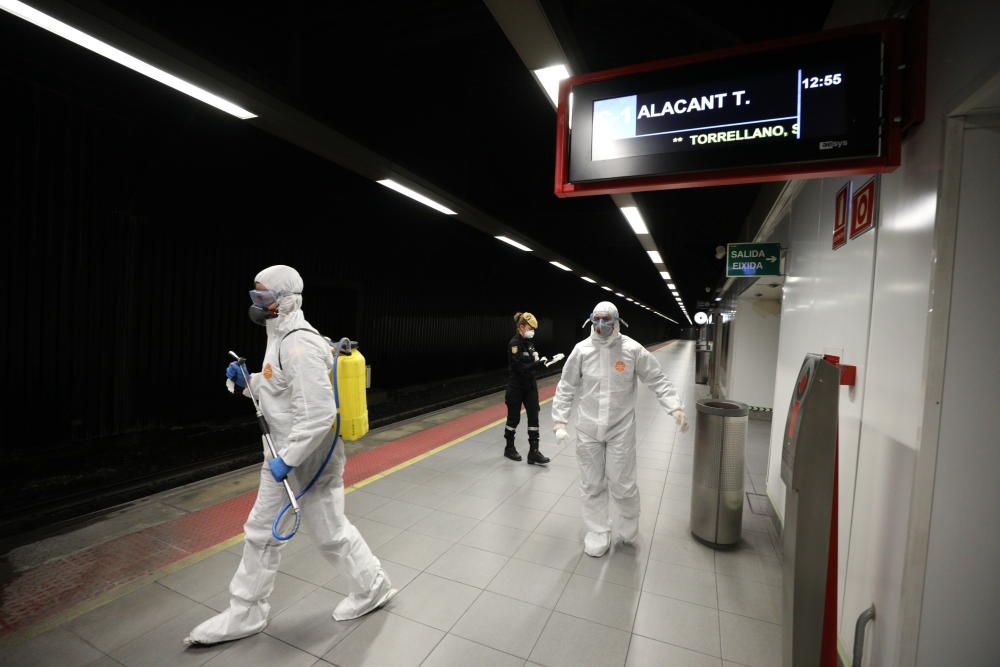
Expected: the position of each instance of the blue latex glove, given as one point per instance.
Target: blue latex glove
(234, 373)
(279, 469)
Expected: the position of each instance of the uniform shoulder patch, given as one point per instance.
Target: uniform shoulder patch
(268, 372)
(513, 349)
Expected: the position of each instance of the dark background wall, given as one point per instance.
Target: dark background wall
(133, 228)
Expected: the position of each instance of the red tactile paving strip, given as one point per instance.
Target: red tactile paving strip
(32, 596)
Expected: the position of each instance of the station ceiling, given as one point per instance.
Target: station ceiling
(437, 88)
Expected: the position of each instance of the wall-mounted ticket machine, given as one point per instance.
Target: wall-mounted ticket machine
(808, 462)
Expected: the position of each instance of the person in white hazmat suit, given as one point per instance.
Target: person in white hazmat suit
(601, 375)
(296, 396)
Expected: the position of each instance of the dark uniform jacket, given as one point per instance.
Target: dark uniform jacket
(522, 360)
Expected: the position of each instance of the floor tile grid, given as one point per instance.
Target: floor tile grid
(690, 398)
(515, 488)
(551, 614)
(488, 446)
(677, 449)
(488, 449)
(482, 591)
(548, 617)
(157, 584)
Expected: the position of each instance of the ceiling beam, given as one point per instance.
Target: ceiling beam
(275, 116)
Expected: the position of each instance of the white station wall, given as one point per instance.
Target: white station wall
(869, 302)
(825, 310)
(755, 351)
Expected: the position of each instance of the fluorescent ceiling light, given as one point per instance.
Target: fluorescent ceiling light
(665, 275)
(549, 78)
(676, 294)
(32, 15)
(589, 280)
(519, 246)
(412, 194)
(671, 286)
(606, 288)
(634, 218)
(560, 266)
(619, 294)
(655, 256)
(628, 298)
(718, 298)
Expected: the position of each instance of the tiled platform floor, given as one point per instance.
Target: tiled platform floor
(487, 556)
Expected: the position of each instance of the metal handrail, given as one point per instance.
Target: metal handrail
(866, 616)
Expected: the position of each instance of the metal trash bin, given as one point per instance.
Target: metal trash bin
(702, 362)
(717, 488)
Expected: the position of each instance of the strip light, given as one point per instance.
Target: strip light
(589, 280)
(549, 78)
(508, 241)
(665, 275)
(559, 265)
(606, 288)
(412, 194)
(655, 256)
(80, 38)
(634, 218)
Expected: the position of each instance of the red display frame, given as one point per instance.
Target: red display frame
(892, 37)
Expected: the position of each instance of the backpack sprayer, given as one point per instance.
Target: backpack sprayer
(351, 423)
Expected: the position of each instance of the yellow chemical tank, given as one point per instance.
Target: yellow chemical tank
(351, 381)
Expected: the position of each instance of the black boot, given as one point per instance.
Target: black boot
(536, 457)
(510, 451)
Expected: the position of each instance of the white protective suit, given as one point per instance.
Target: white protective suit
(602, 374)
(297, 400)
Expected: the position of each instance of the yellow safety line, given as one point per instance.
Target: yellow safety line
(432, 452)
(107, 597)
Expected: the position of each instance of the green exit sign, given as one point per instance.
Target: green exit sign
(749, 260)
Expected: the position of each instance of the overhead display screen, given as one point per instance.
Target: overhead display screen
(821, 102)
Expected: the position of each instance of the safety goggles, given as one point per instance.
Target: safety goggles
(603, 321)
(262, 298)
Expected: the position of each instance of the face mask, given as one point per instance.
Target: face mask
(260, 316)
(530, 333)
(604, 328)
(259, 312)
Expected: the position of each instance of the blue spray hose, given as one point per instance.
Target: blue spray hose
(326, 459)
(336, 436)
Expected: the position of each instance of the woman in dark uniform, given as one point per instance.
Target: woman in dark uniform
(522, 360)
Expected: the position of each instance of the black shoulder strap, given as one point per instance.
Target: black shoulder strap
(286, 336)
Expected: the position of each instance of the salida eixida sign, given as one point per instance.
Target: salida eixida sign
(749, 260)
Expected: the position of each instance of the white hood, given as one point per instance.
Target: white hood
(287, 285)
(606, 308)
